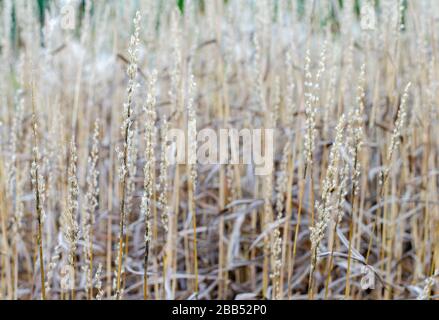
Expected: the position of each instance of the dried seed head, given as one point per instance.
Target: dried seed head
(329, 199)
(397, 133)
(69, 223)
(310, 112)
(163, 178)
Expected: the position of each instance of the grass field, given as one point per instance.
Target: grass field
(93, 205)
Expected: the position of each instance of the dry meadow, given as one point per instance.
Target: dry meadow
(92, 206)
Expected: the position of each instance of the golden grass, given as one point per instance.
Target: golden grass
(92, 209)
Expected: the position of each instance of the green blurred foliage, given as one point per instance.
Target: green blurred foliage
(180, 5)
(331, 18)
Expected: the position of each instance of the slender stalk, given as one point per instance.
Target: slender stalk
(36, 178)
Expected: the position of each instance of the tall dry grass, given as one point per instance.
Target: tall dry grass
(92, 208)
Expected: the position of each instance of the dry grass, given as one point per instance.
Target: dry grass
(91, 207)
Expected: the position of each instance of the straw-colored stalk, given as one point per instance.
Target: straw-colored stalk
(91, 204)
(328, 200)
(39, 189)
(127, 134)
(148, 171)
(69, 221)
(192, 170)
